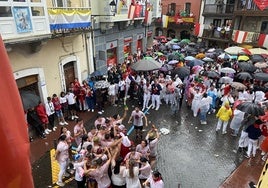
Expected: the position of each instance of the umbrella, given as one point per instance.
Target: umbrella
(224, 56)
(244, 76)
(208, 59)
(258, 51)
(238, 86)
(243, 58)
(227, 70)
(159, 53)
(166, 68)
(251, 108)
(200, 56)
(189, 58)
(146, 65)
(101, 84)
(162, 47)
(174, 41)
(212, 74)
(234, 50)
(257, 58)
(185, 41)
(225, 80)
(182, 72)
(247, 67)
(191, 43)
(148, 58)
(261, 76)
(175, 47)
(195, 62)
(261, 65)
(172, 62)
(197, 68)
(29, 99)
(172, 57)
(211, 50)
(96, 73)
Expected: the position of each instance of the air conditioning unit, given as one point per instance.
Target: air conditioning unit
(106, 25)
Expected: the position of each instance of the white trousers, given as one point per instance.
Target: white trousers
(146, 99)
(156, 101)
(220, 123)
(243, 140)
(63, 166)
(252, 147)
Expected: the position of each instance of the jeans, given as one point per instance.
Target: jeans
(90, 103)
(203, 115)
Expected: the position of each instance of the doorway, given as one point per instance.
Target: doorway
(69, 73)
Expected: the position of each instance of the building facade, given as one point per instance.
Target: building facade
(179, 18)
(50, 43)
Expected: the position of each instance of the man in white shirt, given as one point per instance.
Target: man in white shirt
(137, 117)
(72, 104)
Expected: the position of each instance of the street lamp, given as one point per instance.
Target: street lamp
(112, 5)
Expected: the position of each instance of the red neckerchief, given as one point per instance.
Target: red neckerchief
(156, 180)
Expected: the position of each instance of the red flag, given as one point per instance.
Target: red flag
(148, 15)
(262, 4)
(15, 163)
(131, 12)
(263, 40)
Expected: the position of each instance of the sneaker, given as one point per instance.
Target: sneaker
(247, 156)
(92, 110)
(156, 109)
(100, 112)
(54, 128)
(76, 117)
(61, 123)
(65, 123)
(262, 153)
(209, 112)
(263, 158)
(88, 110)
(143, 109)
(224, 132)
(49, 130)
(61, 184)
(72, 117)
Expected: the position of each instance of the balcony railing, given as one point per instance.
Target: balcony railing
(225, 35)
(65, 20)
(219, 9)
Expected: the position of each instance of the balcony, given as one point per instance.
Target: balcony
(69, 20)
(212, 9)
(217, 35)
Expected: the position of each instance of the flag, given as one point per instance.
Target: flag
(239, 36)
(263, 40)
(15, 163)
(148, 16)
(164, 21)
(199, 28)
(131, 12)
(261, 4)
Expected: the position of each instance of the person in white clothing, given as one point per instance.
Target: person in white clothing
(146, 95)
(50, 110)
(71, 99)
(132, 174)
(155, 180)
(112, 93)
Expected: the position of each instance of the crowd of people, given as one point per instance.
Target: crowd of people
(106, 157)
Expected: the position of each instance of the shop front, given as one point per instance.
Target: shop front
(127, 46)
(139, 42)
(111, 51)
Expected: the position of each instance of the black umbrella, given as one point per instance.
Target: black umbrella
(244, 76)
(29, 99)
(251, 108)
(173, 57)
(257, 58)
(247, 67)
(182, 72)
(261, 76)
(212, 74)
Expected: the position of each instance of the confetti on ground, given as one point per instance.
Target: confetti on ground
(216, 155)
(200, 130)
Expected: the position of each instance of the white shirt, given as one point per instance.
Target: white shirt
(70, 98)
(50, 108)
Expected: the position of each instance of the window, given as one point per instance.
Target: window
(217, 22)
(5, 12)
(188, 8)
(264, 27)
(61, 3)
(37, 11)
(172, 9)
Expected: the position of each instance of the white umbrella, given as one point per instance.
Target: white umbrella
(189, 58)
(208, 59)
(234, 50)
(224, 56)
(225, 80)
(211, 50)
(227, 70)
(146, 65)
(258, 51)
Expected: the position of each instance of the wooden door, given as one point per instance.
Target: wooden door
(69, 74)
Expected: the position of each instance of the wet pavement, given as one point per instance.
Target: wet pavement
(191, 155)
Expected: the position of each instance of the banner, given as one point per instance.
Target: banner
(69, 19)
(148, 16)
(164, 21)
(15, 157)
(199, 28)
(261, 4)
(131, 12)
(239, 36)
(263, 40)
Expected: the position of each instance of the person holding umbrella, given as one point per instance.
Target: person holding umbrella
(224, 115)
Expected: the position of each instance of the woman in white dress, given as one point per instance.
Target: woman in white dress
(196, 100)
(132, 174)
